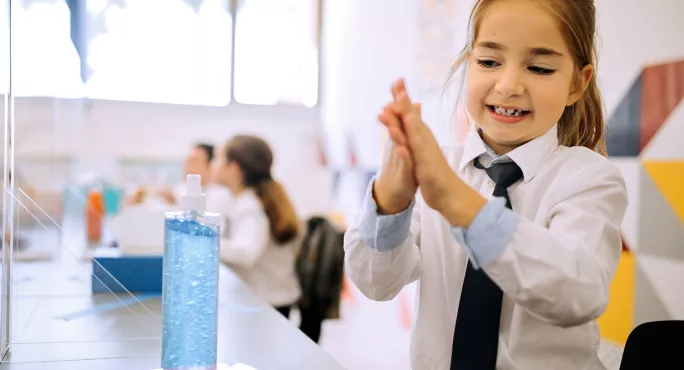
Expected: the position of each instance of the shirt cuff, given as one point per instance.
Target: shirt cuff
(489, 233)
(383, 232)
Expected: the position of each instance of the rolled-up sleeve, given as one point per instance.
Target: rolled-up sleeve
(381, 251)
(489, 233)
(383, 232)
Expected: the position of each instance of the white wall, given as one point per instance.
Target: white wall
(369, 44)
(634, 34)
(112, 128)
(99, 133)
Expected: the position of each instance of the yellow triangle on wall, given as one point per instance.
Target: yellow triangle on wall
(668, 176)
(616, 322)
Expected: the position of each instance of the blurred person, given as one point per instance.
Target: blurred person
(197, 162)
(260, 228)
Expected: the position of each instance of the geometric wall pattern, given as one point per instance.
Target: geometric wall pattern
(645, 139)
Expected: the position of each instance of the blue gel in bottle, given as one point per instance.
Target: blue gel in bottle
(190, 283)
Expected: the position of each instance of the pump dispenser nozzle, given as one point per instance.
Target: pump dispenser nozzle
(193, 199)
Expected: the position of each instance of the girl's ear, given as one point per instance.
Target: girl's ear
(580, 86)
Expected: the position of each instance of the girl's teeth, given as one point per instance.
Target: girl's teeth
(508, 112)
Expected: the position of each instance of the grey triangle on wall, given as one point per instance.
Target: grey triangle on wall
(647, 304)
(660, 231)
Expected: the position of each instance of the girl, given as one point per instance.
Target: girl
(501, 288)
(260, 225)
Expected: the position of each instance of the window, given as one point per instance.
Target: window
(163, 51)
(276, 52)
(181, 51)
(167, 51)
(45, 61)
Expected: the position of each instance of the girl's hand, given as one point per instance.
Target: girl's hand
(440, 186)
(168, 196)
(396, 186)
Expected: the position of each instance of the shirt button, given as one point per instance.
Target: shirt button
(491, 183)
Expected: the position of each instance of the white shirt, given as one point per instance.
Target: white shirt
(267, 268)
(555, 269)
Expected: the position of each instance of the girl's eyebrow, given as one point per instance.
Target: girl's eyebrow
(545, 52)
(490, 45)
(540, 51)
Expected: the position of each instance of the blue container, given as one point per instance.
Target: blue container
(137, 274)
(190, 287)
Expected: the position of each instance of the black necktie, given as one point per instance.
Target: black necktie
(476, 337)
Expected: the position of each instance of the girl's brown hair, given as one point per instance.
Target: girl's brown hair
(583, 123)
(255, 159)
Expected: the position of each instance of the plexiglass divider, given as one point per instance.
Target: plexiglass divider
(101, 103)
(61, 194)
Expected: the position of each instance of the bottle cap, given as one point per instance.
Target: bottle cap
(193, 199)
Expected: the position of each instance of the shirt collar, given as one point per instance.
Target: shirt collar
(528, 156)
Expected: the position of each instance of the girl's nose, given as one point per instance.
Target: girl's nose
(510, 83)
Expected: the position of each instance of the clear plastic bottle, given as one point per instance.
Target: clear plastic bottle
(190, 287)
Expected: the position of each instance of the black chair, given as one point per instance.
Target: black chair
(655, 345)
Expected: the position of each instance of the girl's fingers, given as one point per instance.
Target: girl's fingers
(406, 161)
(394, 126)
(402, 104)
(404, 154)
(412, 123)
(397, 137)
(397, 87)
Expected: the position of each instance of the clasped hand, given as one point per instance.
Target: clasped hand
(416, 160)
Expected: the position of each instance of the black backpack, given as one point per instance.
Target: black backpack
(320, 266)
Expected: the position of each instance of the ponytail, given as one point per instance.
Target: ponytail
(255, 159)
(583, 124)
(281, 215)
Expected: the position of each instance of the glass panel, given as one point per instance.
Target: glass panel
(70, 297)
(276, 52)
(5, 253)
(163, 51)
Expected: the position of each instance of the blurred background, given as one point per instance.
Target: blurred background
(105, 97)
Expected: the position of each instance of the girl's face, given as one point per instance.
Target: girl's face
(520, 74)
(227, 174)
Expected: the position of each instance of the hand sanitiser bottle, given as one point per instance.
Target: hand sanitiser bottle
(190, 283)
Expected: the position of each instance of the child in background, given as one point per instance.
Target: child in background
(260, 230)
(197, 162)
(515, 236)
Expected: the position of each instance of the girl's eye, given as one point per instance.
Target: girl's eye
(488, 63)
(541, 71)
